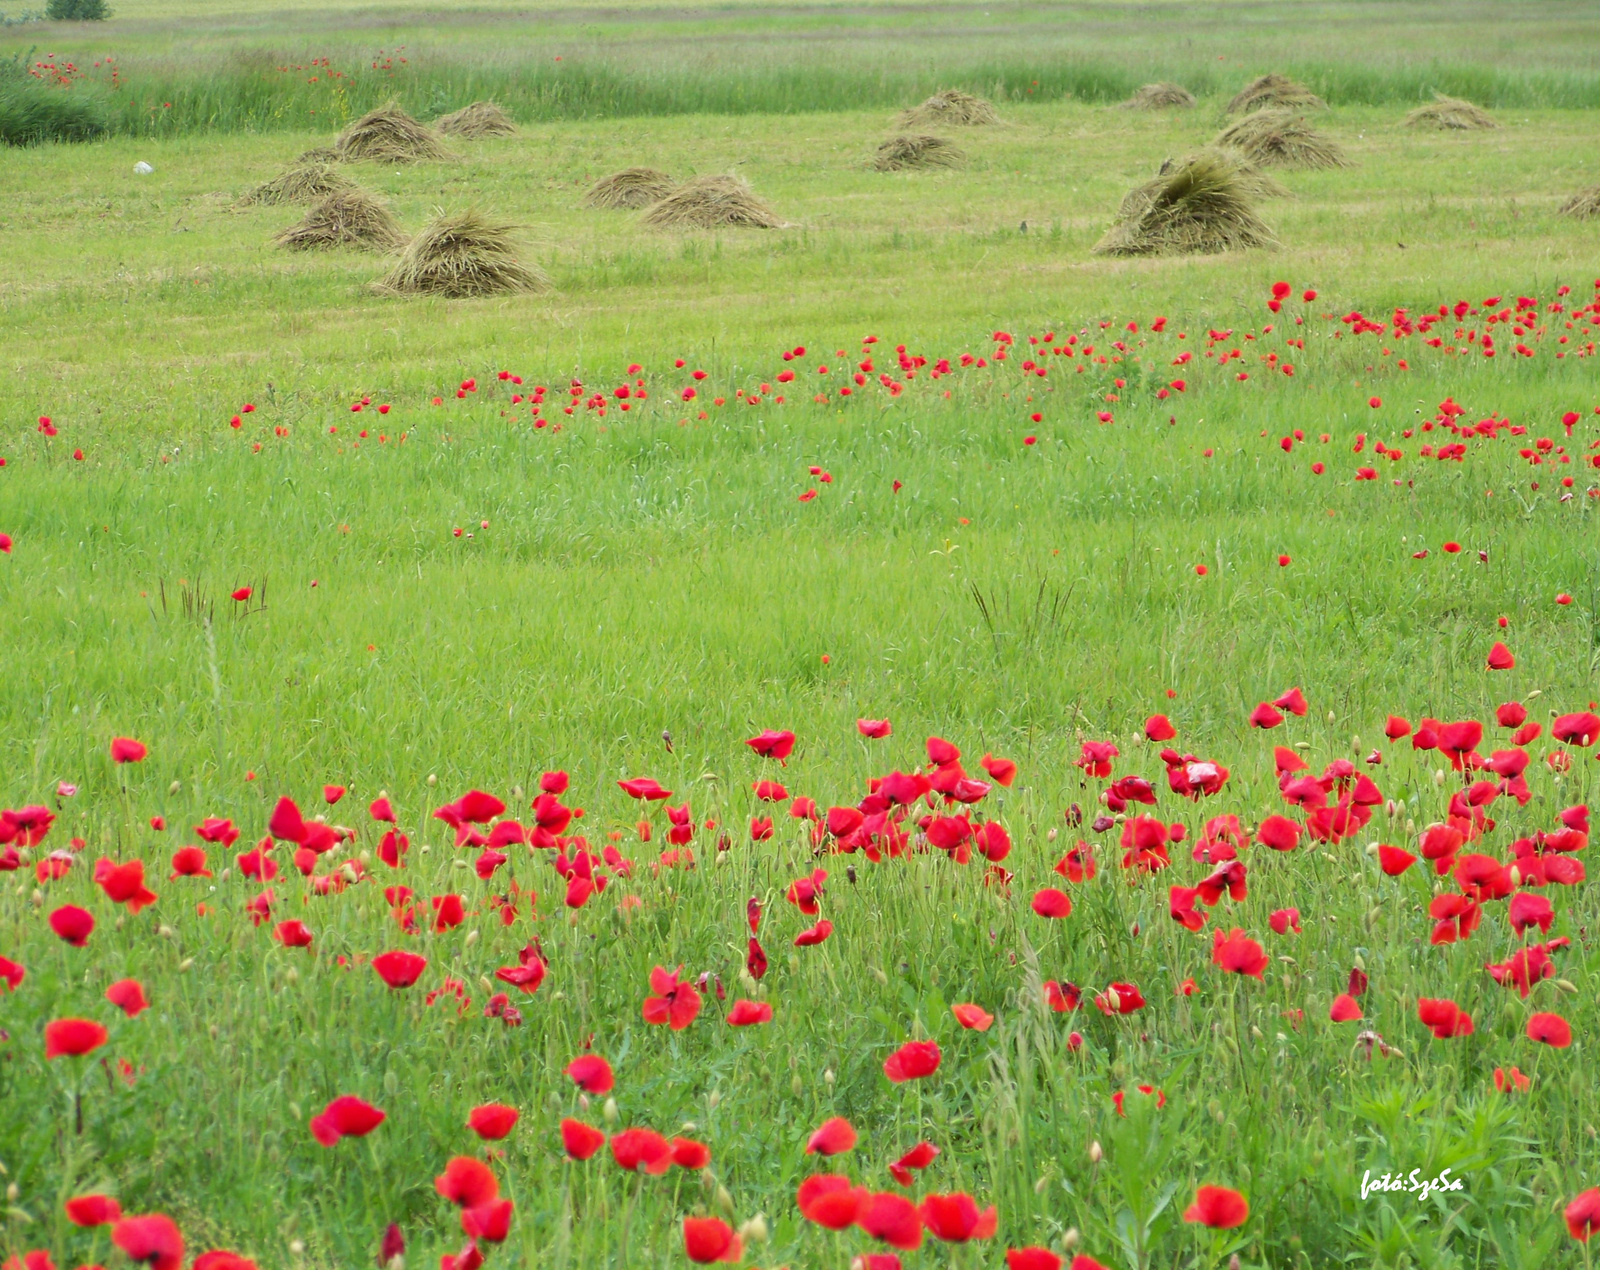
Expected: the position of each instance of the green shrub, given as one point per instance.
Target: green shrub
(77, 10)
(31, 113)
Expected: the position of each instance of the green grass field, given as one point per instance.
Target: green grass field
(449, 590)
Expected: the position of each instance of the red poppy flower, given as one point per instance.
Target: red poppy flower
(579, 1140)
(1500, 658)
(592, 1074)
(973, 1017)
(689, 1154)
(1051, 902)
(814, 935)
(893, 1219)
(1443, 1017)
(493, 1120)
(1576, 729)
(1002, 770)
(1238, 954)
(93, 1210)
(675, 1002)
(1394, 861)
(770, 744)
(399, 969)
(644, 789)
(154, 1239)
(1294, 700)
(831, 1201)
(125, 749)
(749, 1013)
(1527, 910)
(346, 1117)
(1119, 998)
(490, 1221)
(1551, 1030)
(1583, 1215)
(11, 974)
(128, 996)
(1159, 728)
(1283, 920)
(709, 1239)
(833, 1137)
(292, 934)
(1217, 1207)
(635, 1149)
(72, 924)
(1279, 832)
(189, 862)
(1034, 1258)
(1264, 716)
(1344, 1009)
(955, 1218)
(124, 883)
(874, 729)
(912, 1061)
(467, 1182)
(919, 1157)
(72, 1037)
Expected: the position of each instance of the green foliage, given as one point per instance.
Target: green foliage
(77, 10)
(32, 113)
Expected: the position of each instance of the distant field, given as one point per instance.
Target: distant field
(290, 533)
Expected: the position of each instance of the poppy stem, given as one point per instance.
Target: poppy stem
(627, 1216)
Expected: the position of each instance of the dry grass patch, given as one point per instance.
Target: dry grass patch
(301, 183)
(951, 108)
(1451, 114)
(481, 119)
(917, 150)
(1275, 91)
(1160, 97)
(631, 187)
(1584, 205)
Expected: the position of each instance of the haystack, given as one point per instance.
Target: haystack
(712, 202)
(917, 150)
(1255, 183)
(462, 255)
(320, 154)
(301, 183)
(1281, 139)
(346, 218)
(1584, 205)
(1160, 97)
(1204, 204)
(1450, 113)
(631, 187)
(481, 119)
(1275, 91)
(389, 135)
(953, 108)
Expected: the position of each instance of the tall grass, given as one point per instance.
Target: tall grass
(174, 101)
(31, 113)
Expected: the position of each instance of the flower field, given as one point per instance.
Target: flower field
(881, 743)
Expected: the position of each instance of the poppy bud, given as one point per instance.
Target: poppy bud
(296, 1246)
(723, 1201)
(1256, 1033)
(795, 1087)
(755, 1230)
(432, 780)
(827, 1078)
(882, 978)
(185, 964)
(174, 787)
(1233, 1262)
(1566, 985)
(1095, 1153)
(1331, 716)
(391, 1082)
(1038, 1187)
(1069, 1241)
(714, 1100)
(12, 1193)
(609, 1112)
(472, 935)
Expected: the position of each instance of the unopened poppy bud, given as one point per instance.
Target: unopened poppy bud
(1331, 716)
(723, 1201)
(1257, 1033)
(754, 1231)
(472, 937)
(292, 975)
(1516, 876)
(294, 1111)
(827, 1078)
(166, 932)
(1566, 985)
(1095, 1153)
(12, 1193)
(880, 976)
(365, 856)
(796, 1087)
(223, 877)
(38, 898)
(1051, 836)
(174, 787)
(296, 1247)
(1391, 809)
(1411, 825)
(432, 780)
(609, 1112)
(1134, 930)
(396, 1262)
(426, 848)
(517, 791)
(583, 1102)
(391, 1082)
(1233, 1262)
(1355, 745)
(185, 964)
(1358, 962)
(713, 1100)
(1071, 1239)
(1438, 776)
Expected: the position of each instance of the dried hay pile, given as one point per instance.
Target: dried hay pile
(1200, 205)
(1450, 113)
(389, 135)
(917, 150)
(347, 218)
(321, 154)
(301, 183)
(1280, 139)
(1275, 91)
(462, 255)
(481, 119)
(952, 108)
(1584, 205)
(712, 202)
(1160, 97)
(631, 187)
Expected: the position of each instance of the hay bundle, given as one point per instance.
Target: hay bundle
(1252, 180)
(631, 187)
(1450, 113)
(481, 119)
(1280, 139)
(389, 135)
(321, 154)
(1275, 91)
(917, 150)
(462, 255)
(302, 183)
(711, 202)
(1584, 205)
(1203, 204)
(1160, 97)
(346, 218)
(952, 107)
